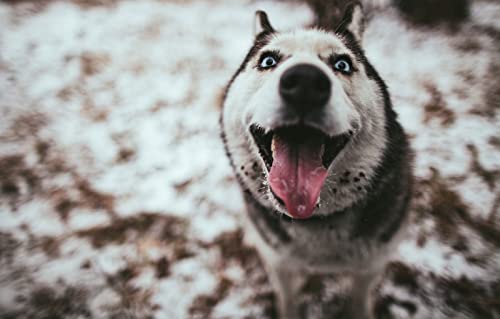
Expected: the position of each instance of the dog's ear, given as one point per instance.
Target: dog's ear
(262, 23)
(353, 21)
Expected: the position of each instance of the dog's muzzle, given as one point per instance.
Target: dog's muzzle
(298, 154)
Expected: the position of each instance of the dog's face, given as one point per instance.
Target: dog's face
(304, 118)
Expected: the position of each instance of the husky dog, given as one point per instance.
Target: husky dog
(324, 165)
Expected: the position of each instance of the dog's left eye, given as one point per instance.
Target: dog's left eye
(268, 62)
(343, 66)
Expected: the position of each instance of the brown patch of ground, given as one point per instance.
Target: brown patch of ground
(45, 302)
(471, 296)
(67, 92)
(470, 45)
(494, 141)
(436, 108)
(49, 245)
(173, 229)
(121, 229)
(490, 177)
(51, 163)
(125, 154)
(181, 187)
(316, 301)
(402, 275)
(8, 246)
(460, 295)
(15, 176)
(495, 209)
(88, 197)
(447, 209)
(491, 93)
(93, 63)
(95, 199)
(383, 307)
(134, 302)
(27, 125)
(434, 12)
(22, 182)
(233, 250)
(162, 268)
(159, 105)
(203, 305)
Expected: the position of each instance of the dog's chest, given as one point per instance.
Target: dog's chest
(321, 245)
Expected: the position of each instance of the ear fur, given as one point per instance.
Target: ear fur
(353, 21)
(262, 23)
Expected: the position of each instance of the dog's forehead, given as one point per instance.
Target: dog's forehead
(313, 41)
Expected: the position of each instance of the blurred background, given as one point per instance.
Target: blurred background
(117, 200)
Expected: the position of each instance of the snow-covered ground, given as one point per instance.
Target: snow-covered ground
(117, 201)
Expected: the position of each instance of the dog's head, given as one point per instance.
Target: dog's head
(304, 118)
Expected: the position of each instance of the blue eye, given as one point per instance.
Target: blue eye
(343, 66)
(268, 62)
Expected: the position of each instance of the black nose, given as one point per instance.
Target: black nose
(305, 87)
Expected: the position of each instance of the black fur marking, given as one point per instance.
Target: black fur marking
(386, 205)
(268, 223)
(264, 21)
(344, 181)
(347, 19)
(382, 212)
(393, 225)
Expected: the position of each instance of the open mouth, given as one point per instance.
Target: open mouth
(297, 158)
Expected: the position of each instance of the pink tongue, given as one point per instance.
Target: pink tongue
(297, 174)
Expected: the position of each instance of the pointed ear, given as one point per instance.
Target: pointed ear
(262, 23)
(353, 21)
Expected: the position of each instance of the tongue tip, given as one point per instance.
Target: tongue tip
(300, 211)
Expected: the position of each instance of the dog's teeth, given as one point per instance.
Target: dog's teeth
(273, 145)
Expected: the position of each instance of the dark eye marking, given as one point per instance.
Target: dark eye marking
(342, 63)
(268, 60)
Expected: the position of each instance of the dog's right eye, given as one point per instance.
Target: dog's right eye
(268, 61)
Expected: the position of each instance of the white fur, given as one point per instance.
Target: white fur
(356, 104)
